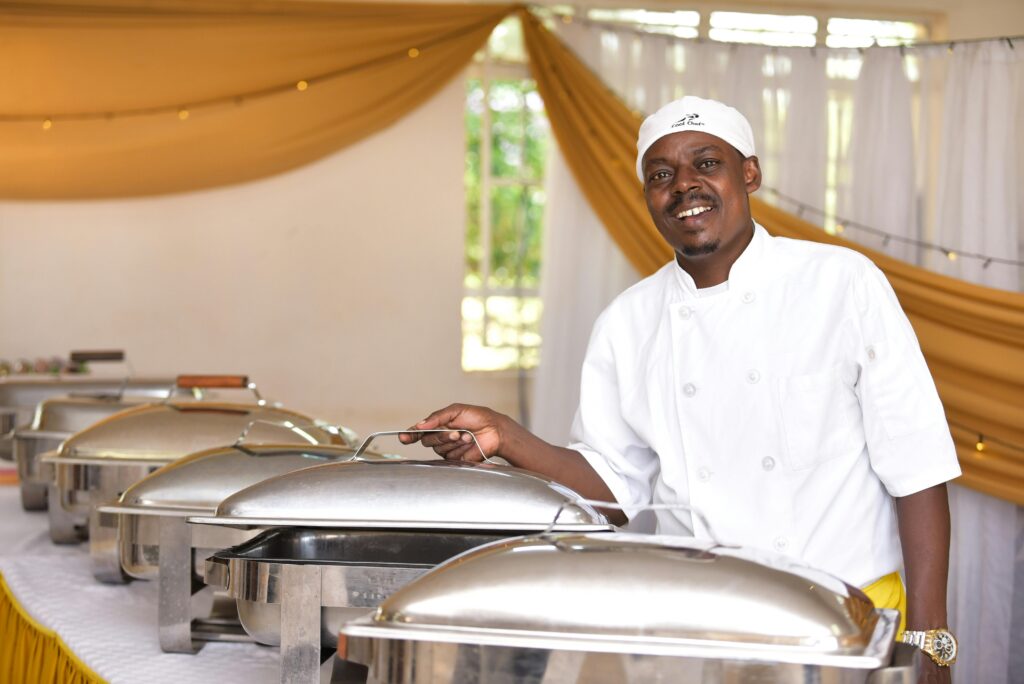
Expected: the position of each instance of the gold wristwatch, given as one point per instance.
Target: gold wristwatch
(939, 644)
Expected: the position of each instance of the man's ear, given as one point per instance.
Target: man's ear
(752, 173)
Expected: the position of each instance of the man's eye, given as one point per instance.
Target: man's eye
(658, 175)
(707, 164)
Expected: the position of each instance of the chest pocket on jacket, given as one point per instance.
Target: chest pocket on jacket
(821, 417)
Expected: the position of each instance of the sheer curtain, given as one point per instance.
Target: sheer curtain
(582, 271)
(940, 146)
(880, 159)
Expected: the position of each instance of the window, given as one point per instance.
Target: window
(507, 142)
(765, 29)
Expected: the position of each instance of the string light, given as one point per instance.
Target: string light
(236, 98)
(983, 442)
(843, 224)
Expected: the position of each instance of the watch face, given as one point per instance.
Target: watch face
(945, 646)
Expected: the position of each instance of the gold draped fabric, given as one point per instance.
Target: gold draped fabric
(115, 79)
(972, 336)
(30, 652)
(156, 96)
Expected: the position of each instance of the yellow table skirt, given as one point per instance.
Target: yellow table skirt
(31, 653)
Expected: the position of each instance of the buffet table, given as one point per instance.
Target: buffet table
(57, 623)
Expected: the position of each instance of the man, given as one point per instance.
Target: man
(774, 385)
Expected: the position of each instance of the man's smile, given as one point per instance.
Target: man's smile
(694, 212)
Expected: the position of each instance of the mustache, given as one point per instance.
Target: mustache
(691, 197)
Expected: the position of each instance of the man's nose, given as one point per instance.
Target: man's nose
(685, 180)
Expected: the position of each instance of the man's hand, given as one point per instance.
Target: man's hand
(499, 435)
(486, 424)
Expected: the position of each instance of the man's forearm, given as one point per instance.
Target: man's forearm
(924, 536)
(525, 450)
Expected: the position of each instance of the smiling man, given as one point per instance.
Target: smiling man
(773, 385)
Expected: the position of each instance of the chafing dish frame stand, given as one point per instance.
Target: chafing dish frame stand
(178, 629)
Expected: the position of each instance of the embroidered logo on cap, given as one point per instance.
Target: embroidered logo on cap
(688, 120)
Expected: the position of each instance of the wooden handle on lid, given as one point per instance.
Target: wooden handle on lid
(211, 381)
(97, 355)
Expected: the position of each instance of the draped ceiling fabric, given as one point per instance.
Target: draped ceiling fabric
(113, 75)
(125, 68)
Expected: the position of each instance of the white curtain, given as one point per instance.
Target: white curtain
(803, 147)
(582, 270)
(978, 200)
(941, 146)
(883, 182)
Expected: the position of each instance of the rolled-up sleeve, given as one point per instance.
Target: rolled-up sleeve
(601, 433)
(905, 427)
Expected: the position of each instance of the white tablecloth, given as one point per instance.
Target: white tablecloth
(111, 628)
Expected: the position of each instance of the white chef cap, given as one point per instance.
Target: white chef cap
(695, 114)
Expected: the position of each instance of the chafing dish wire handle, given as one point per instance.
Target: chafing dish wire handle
(373, 436)
(643, 507)
(337, 430)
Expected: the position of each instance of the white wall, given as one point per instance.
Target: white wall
(336, 287)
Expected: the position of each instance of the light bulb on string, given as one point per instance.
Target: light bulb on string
(47, 124)
(182, 114)
(980, 444)
(414, 53)
(840, 228)
(301, 85)
(951, 255)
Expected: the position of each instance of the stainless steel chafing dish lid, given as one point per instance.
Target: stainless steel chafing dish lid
(171, 430)
(28, 391)
(641, 594)
(408, 495)
(67, 415)
(198, 482)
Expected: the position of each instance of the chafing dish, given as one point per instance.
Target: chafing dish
(624, 608)
(155, 542)
(21, 394)
(54, 421)
(344, 536)
(96, 465)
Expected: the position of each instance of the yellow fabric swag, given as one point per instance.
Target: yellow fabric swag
(119, 98)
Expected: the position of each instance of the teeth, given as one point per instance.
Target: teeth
(692, 212)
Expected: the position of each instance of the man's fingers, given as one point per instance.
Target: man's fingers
(433, 439)
(410, 437)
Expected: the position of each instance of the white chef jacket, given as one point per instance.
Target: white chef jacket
(787, 408)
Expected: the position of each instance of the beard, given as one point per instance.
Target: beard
(702, 250)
